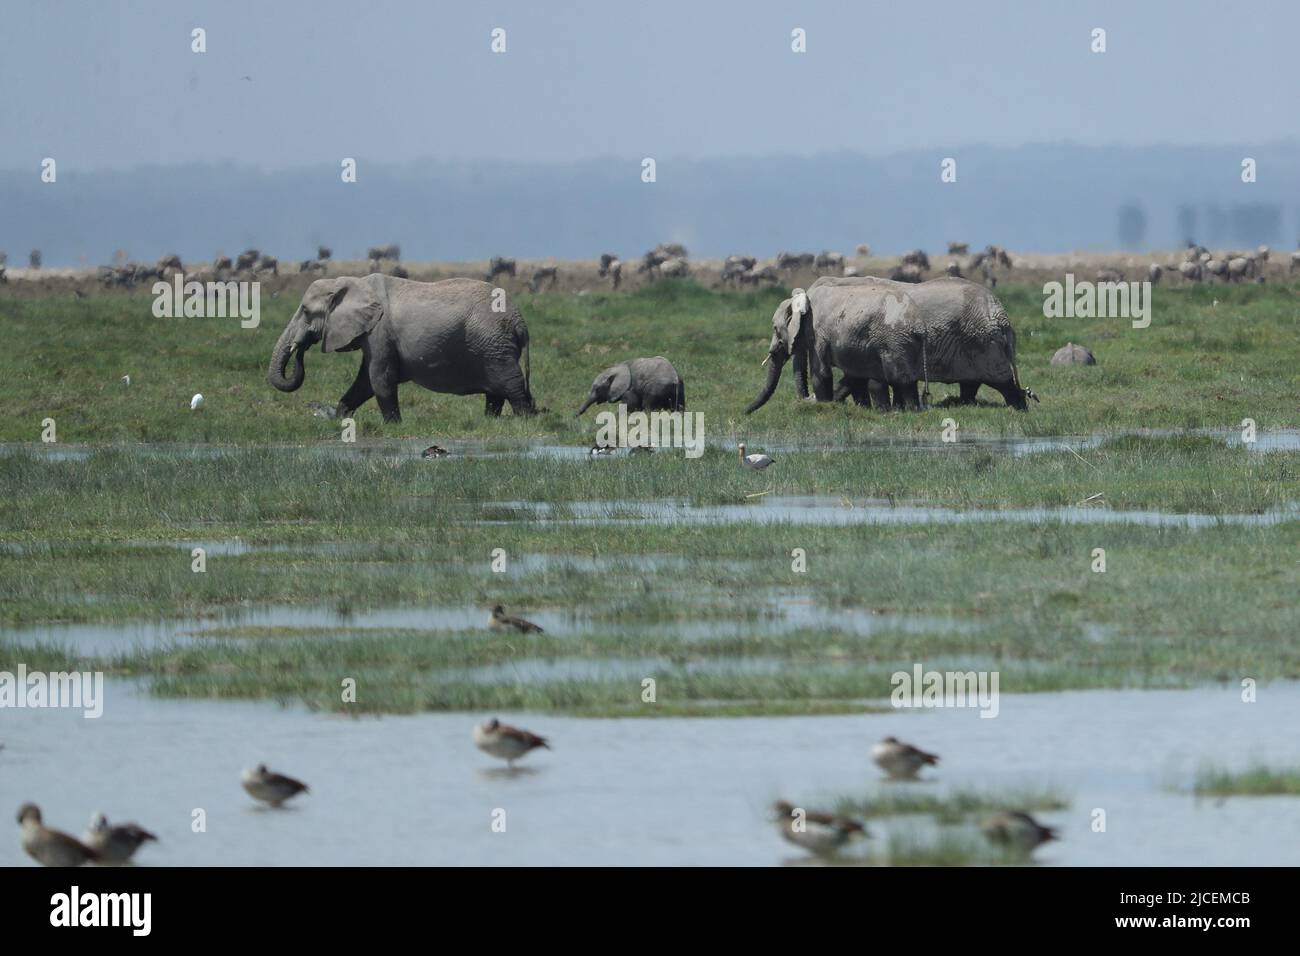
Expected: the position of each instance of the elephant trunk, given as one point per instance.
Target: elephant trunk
(591, 400)
(801, 369)
(773, 379)
(286, 348)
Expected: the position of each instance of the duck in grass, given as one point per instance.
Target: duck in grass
(901, 761)
(757, 462)
(50, 847)
(435, 451)
(270, 787)
(1016, 831)
(506, 742)
(822, 833)
(501, 621)
(115, 843)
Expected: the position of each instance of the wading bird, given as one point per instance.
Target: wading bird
(901, 761)
(269, 787)
(1016, 831)
(820, 833)
(434, 451)
(50, 847)
(115, 843)
(506, 742)
(754, 461)
(501, 621)
(603, 449)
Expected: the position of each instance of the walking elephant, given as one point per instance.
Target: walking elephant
(643, 385)
(894, 334)
(443, 335)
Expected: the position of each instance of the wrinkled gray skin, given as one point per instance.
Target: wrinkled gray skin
(873, 330)
(442, 335)
(643, 385)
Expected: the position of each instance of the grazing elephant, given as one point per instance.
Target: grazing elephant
(945, 330)
(643, 385)
(442, 335)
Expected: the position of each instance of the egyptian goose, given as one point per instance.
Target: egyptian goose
(50, 847)
(115, 843)
(901, 761)
(506, 742)
(502, 621)
(820, 833)
(1017, 831)
(270, 787)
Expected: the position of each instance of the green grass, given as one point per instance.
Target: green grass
(99, 539)
(1258, 781)
(1197, 365)
(956, 806)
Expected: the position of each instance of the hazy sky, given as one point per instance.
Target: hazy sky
(109, 84)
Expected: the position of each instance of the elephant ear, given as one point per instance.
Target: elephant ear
(619, 382)
(355, 309)
(798, 310)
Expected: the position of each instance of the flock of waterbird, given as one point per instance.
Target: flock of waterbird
(819, 832)
(825, 834)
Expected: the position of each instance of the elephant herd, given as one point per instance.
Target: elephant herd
(465, 337)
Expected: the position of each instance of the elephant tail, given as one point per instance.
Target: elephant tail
(528, 369)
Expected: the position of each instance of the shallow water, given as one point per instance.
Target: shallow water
(1278, 439)
(413, 790)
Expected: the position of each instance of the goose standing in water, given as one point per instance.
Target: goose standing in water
(269, 787)
(506, 742)
(115, 843)
(502, 621)
(50, 847)
(1016, 831)
(901, 761)
(821, 833)
(757, 462)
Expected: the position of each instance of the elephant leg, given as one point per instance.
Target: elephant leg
(357, 395)
(968, 390)
(1014, 395)
(384, 381)
(878, 394)
(493, 405)
(905, 396)
(822, 376)
(516, 391)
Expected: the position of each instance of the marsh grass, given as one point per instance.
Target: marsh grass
(1197, 365)
(1257, 781)
(955, 806)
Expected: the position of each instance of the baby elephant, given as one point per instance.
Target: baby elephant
(643, 385)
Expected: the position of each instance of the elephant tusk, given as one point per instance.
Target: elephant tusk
(766, 358)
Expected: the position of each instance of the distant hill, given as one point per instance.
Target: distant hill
(1043, 198)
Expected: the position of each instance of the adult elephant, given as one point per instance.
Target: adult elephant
(883, 333)
(443, 335)
(643, 385)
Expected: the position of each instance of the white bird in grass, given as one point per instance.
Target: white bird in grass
(757, 462)
(196, 402)
(126, 379)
